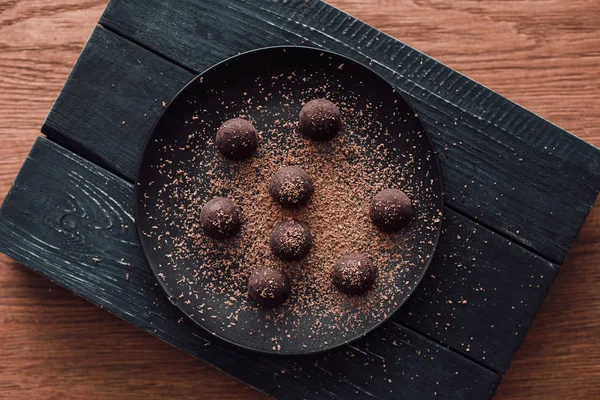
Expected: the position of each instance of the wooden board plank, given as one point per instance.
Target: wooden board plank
(456, 324)
(503, 166)
(481, 293)
(71, 221)
(113, 98)
(490, 325)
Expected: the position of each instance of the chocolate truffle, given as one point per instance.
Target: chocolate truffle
(291, 240)
(354, 274)
(268, 287)
(320, 120)
(291, 187)
(221, 218)
(391, 210)
(237, 139)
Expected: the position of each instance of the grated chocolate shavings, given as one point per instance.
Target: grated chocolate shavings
(347, 172)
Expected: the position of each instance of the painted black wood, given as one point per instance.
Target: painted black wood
(506, 267)
(71, 221)
(503, 166)
(481, 294)
(483, 287)
(113, 97)
(465, 322)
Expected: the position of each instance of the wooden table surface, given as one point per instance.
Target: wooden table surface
(543, 54)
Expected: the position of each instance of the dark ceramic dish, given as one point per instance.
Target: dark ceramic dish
(223, 85)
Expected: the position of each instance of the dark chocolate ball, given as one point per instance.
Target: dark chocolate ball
(291, 187)
(268, 287)
(391, 210)
(237, 139)
(291, 240)
(320, 120)
(354, 274)
(221, 218)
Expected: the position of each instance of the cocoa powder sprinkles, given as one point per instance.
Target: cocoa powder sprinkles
(381, 145)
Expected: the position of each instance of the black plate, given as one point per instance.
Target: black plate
(383, 144)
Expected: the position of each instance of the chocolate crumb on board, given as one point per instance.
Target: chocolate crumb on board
(346, 172)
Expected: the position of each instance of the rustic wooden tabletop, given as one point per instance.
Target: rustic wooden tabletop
(543, 54)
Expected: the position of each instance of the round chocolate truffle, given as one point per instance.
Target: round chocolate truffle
(268, 287)
(291, 187)
(391, 210)
(221, 218)
(237, 139)
(354, 274)
(320, 120)
(291, 240)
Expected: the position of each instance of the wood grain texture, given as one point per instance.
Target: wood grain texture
(39, 43)
(503, 166)
(116, 94)
(480, 293)
(72, 221)
(542, 54)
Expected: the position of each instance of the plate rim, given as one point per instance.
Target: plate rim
(137, 209)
